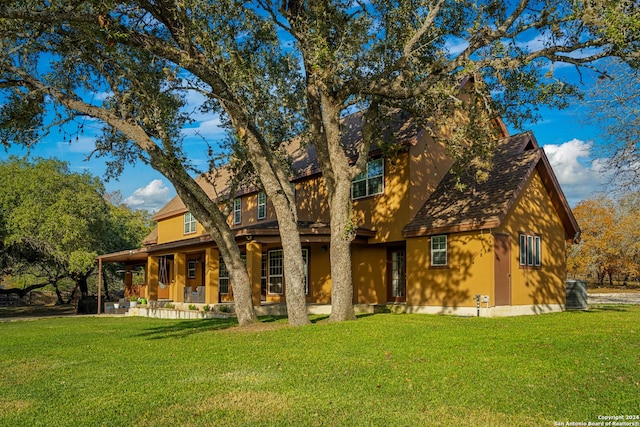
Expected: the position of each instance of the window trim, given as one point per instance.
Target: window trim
(189, 223)
(444, 250)
(262, 205)
(237, 211)
(366, 178)
(275, 276)
(223, 274)
(191, 269)
(530, 249)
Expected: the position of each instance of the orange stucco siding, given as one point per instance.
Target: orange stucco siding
(534, 214)
(369, 272)
(429, 163)
(471, 262)
(172, 229)
(469, 271)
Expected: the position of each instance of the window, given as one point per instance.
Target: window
(263, 275)
(530, 250)
(223, 278)
(276, 272)
(370, 181)
(438, 250)
(191, 270)
(189, 223)
(262, 205)
(237, 210)
(398, 274)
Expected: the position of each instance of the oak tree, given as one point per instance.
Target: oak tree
(263, 63)
(56, 222)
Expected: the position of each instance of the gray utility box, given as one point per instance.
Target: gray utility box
(576, 295)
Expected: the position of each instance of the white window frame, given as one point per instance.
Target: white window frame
(223, 277)
(237, 210)
(530, 250)
(437, 250)
(189, 223)
(262, 205)
(368, 179)
(275, 272)
(191, 269)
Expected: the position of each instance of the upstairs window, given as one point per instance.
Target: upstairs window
(262, 205)
(439, 251)
(189, 223)
(530, 250)
(237, 210)
(370, 181)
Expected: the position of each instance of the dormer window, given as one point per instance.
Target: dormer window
(189, 223)
(370, 182)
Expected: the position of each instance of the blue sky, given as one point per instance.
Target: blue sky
(570, 144)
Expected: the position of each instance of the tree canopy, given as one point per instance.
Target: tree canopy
(610, 242)
(276, 69)
(56, 222)
(613, 104)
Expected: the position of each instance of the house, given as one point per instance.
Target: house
(421, 244)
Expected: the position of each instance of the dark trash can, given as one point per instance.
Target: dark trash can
(88, 305)
(576, 295)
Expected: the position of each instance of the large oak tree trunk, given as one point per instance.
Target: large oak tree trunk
(341, 236)
(278, 189)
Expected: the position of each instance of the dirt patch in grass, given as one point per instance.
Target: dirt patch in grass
(251, 406)
(9, 406)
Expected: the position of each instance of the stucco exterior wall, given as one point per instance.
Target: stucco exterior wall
(534, 214)
(369, 272)
(469, 271)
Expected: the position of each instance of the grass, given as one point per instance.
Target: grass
(388, 369)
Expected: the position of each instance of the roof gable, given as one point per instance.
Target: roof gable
(485, 205)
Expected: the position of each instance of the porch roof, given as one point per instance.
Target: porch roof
(267, 232)
(130, 255)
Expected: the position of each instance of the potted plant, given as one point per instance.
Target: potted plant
(133, 301)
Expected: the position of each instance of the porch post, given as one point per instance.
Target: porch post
(152, 278)
(180, 265)
(254, 268)
(211, 276)
(99, 284)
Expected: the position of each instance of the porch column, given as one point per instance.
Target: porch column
(99, 284)
(152, 278)
(211, 275)
(180, 265)
(128, 280)
(254, 268)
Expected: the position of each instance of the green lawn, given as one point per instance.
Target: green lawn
(405, 370)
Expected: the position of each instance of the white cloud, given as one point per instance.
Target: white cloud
(152, 197)
(579, 175)
(455, 46)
